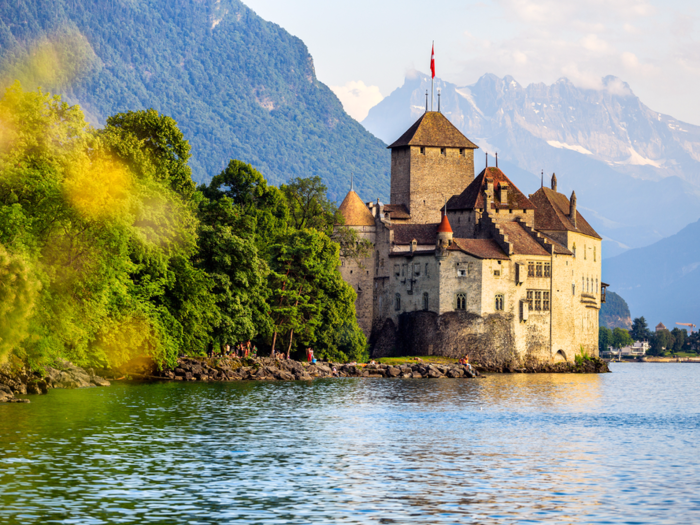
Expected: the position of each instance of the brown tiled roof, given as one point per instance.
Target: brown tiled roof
(473, 196)
(433, 129)
(355, 212)
(521, 240)
(552, 213)
(422, 233)
(558, 248)
(480, 248)
(397, 211)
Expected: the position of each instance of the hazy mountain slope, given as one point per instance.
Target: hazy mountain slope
(661, 281)
(615, 313)
(239, 87)
(622, 159)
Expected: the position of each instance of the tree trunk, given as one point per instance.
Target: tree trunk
(289, 349)
(274, 339)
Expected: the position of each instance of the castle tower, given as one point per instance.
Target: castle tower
(430, 163)
(360, 274)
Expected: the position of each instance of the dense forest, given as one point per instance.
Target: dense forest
(238, 86)
(109, 250)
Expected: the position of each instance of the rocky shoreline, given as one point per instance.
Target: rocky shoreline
(22, 381)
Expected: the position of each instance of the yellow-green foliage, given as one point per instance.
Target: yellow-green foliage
(18, 290)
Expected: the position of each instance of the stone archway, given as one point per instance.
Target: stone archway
(559, 357)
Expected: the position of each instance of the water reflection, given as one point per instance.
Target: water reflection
(570, 449)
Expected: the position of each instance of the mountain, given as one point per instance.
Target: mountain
(614, 313)
(661, 281)
(636, 172)
(238, 86)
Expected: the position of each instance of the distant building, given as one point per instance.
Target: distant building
(471, 265)
(660, 327)
(638, 349)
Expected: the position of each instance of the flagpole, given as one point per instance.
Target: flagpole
(432, 77)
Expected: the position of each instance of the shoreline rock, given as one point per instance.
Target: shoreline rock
(22, 381)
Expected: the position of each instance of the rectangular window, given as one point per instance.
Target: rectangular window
(422, 150)
(530, 295)
(427, 274)
(538, 301)
(461, 151)
(416, 269)
(497, 273)
(499, 302)
(397, 270)
(538, 272)
(443, 151)
(530, 269)
(545, 301)
(461, 273)
(547, 269)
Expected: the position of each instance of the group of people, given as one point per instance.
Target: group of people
(247, 349)
(465, 361)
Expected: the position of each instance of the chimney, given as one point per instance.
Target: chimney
(503, 193)
(554, 181)
(572, 209)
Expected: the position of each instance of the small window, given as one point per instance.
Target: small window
(397, 302)
(573, 289)
(597, 288)
(462, 151)
(545, 301)
(584, 252)
(426, 301)
(461, 301)
(497, 273)
(397, 270)
(547, 269)
(530, 299)
(461, 273)
(538, 301)
(530, 269)
(422, 150)
(427, 274)
(416, 269)
(574, 249)
(499, 302)
(443, 151)
(538, 271)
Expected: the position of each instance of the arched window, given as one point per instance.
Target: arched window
(461, 301)
(397, 302)
(426, 301)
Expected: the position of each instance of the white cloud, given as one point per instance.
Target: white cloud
(594, 43)
(357, 98)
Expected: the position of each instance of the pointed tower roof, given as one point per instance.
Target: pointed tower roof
(434, 130)
(553, 211)
(444, 226)
(355, 212)
(473, 196)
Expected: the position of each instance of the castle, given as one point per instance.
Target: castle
(470, 265)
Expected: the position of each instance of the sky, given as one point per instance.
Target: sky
(363, 49)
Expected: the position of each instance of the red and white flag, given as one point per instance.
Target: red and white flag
(432, 60)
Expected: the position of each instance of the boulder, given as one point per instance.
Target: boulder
(284, 375)
(393, 371)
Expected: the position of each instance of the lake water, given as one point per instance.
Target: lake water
(613, 448)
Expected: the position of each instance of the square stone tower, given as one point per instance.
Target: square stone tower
(430, 163)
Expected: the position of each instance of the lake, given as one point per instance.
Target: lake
(612, 448)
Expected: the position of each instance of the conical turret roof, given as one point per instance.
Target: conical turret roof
(434, 130)
(444, 226)
(355, 212)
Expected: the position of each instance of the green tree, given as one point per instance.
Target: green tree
(679, 339)
(621, 338)
(605, 338)
(639, 331)
(661, 342)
